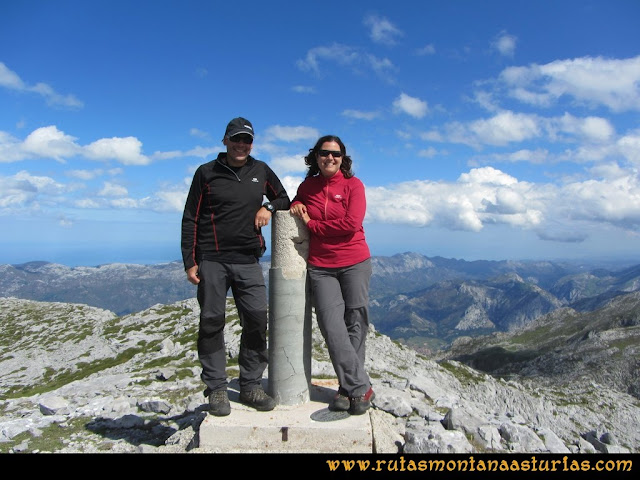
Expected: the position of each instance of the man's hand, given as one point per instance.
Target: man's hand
(192, 275)
(262, 218)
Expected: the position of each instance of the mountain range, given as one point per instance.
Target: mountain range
(424, 302)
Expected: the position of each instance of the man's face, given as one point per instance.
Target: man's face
(238, 148)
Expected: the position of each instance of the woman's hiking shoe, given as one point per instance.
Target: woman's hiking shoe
(258, 399)
(219, 403)
(359, 405)
(340, 403)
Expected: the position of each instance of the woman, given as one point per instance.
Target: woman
(331, 202)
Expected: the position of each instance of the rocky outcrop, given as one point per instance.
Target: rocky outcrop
(131, 384)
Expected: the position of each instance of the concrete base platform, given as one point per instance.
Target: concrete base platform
(306, 428)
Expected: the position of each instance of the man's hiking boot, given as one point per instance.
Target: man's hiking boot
(340, 403)
(359, 405)
(219, 403)
(258, 399)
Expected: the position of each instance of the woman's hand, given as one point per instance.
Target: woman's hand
(300, 210)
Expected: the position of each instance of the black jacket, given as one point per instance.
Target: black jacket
(221, 206)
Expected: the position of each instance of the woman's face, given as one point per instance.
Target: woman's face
(329, 158)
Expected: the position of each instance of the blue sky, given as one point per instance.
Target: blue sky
(481, 129)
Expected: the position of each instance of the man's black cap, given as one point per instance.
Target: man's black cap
(239, 125)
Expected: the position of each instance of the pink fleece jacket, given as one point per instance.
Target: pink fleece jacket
(337, 207)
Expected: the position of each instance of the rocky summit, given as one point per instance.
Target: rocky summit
(75, 378)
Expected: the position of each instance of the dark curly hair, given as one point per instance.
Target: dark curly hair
(312, 162)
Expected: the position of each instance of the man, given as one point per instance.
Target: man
(221, 245)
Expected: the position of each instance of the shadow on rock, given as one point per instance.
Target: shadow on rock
(137, 430)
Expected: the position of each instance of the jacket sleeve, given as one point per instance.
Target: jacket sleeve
(275, 192)
(190, 221)
(351, 222)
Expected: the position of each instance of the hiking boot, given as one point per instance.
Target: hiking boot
(258, 399)
(340, 403)
(359, 405)
(219, 403)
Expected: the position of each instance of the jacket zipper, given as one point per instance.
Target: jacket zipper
(326, 198)
(227, 167)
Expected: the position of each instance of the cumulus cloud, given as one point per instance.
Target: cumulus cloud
(291, 184)
(171, 200)
(410, 105)
(127, 151)
(49, 142)
(11, 80)
(590, 81)
(506, 127)
(487, 196)
(24, 190)
(289, 163)
(481, 196)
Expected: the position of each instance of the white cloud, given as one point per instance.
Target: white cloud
(428, 152)
(501, 129)
(347, 56)
(200, 152)
(613, 83)
(49, 142)
(507, 127)
(360, 115)
(289, 163)
(481, 196)
(336, 52)
(24, 190)
(110, 189)
(426, 50)
(629, 147)
(381, 30)
(85, 174)
(505, 44)
(410, 105)
(125, 150)
(64, 221)
(12, 81)
(291, 184)
(171, 200)
(196, 132)
(292, 134)
(303, 89)
(591, 129)
(125, 203)
(487, 196)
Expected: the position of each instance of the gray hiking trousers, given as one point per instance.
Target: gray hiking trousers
(249, 291)
(341, 302)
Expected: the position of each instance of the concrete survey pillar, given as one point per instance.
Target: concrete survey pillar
(289, 311)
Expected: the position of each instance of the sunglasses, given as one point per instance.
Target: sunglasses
(246, 139)
(326, 153)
